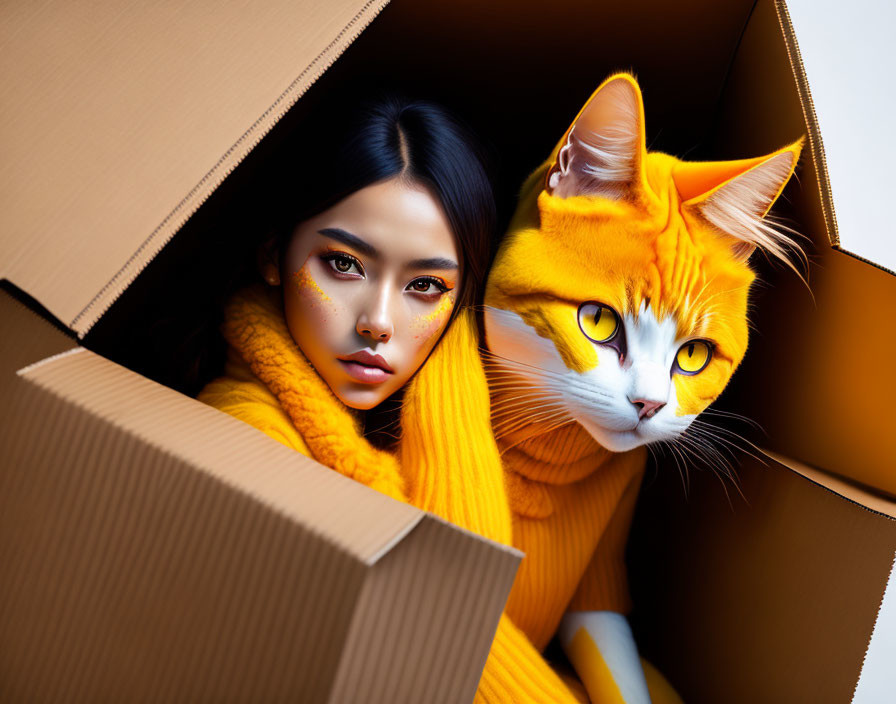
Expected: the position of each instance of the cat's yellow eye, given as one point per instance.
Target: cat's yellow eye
(693, 356)
(599, 322)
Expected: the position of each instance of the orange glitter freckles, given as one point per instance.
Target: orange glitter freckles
(307, 285)
(427, 324)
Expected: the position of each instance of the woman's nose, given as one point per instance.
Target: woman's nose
(375, 321)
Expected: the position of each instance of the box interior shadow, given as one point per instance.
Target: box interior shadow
(515, 73)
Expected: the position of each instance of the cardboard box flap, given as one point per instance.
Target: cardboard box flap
(783, 576)
(792, 383)
(844, 50)
(230, 451)
(120, 119)
(156, 548)
(851, 491)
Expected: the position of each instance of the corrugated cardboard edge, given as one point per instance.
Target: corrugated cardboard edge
(862, 259)
(84, 321)
(227, 449)
(815, 141)
(864, 498)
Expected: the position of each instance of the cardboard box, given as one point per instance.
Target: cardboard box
(140, 143)
(153, 547)
(779, 585)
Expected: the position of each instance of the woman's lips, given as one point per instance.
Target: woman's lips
(366, 367)
(365, 373)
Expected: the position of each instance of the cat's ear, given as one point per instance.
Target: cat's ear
(735, 197)
(603, 149)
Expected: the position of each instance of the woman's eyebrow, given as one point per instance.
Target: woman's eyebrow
(351, 240)
(434, 263)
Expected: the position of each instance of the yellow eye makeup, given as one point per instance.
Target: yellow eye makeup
(598, 322)
(429, 322)
(305, 282)
(693, 357)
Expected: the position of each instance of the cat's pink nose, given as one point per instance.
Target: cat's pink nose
(647, 408)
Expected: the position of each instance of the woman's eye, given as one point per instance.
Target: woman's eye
(343, 264)
(693, 356)
(600, 323)
(427, 285)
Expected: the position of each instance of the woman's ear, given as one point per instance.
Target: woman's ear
(267, 261)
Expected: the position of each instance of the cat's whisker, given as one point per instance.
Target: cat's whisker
(533, 410)
(697, 434)
(523, 387)
(697, 456)
(709, 452)
(492, 358)
(515, 384)
(723, 450)
(530, 408)
(524, 398)
(676, 456)
(706, 453)
(529, 403)
(735, 416)
(531, 436)
(707, 448)
(722, 434)
(726, 444)
(559, 421)
(510, 425)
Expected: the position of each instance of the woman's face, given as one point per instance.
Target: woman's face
(368, 287)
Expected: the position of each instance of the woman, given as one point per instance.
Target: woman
(366, 302)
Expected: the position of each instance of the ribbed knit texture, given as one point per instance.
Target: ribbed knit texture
(572, 504)
(572, 500)
(450, 463)
(446, 437)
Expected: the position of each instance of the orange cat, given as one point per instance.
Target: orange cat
(615, 313)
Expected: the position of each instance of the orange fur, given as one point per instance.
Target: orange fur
(652, 246)
(647, 238)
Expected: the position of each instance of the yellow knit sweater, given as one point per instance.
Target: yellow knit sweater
(568, 492)
(447, 462)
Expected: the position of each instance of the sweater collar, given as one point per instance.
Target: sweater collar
(255, 327)
(549, 453)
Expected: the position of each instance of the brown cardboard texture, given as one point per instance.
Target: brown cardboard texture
(766, 594)
(160, 548)
(155, 548)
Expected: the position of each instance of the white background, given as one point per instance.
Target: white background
(847, 50)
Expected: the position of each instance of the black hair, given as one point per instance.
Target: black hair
(352, 147)
(167, 325)
(352, 144)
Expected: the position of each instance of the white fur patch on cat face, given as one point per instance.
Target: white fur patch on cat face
(609, 401)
